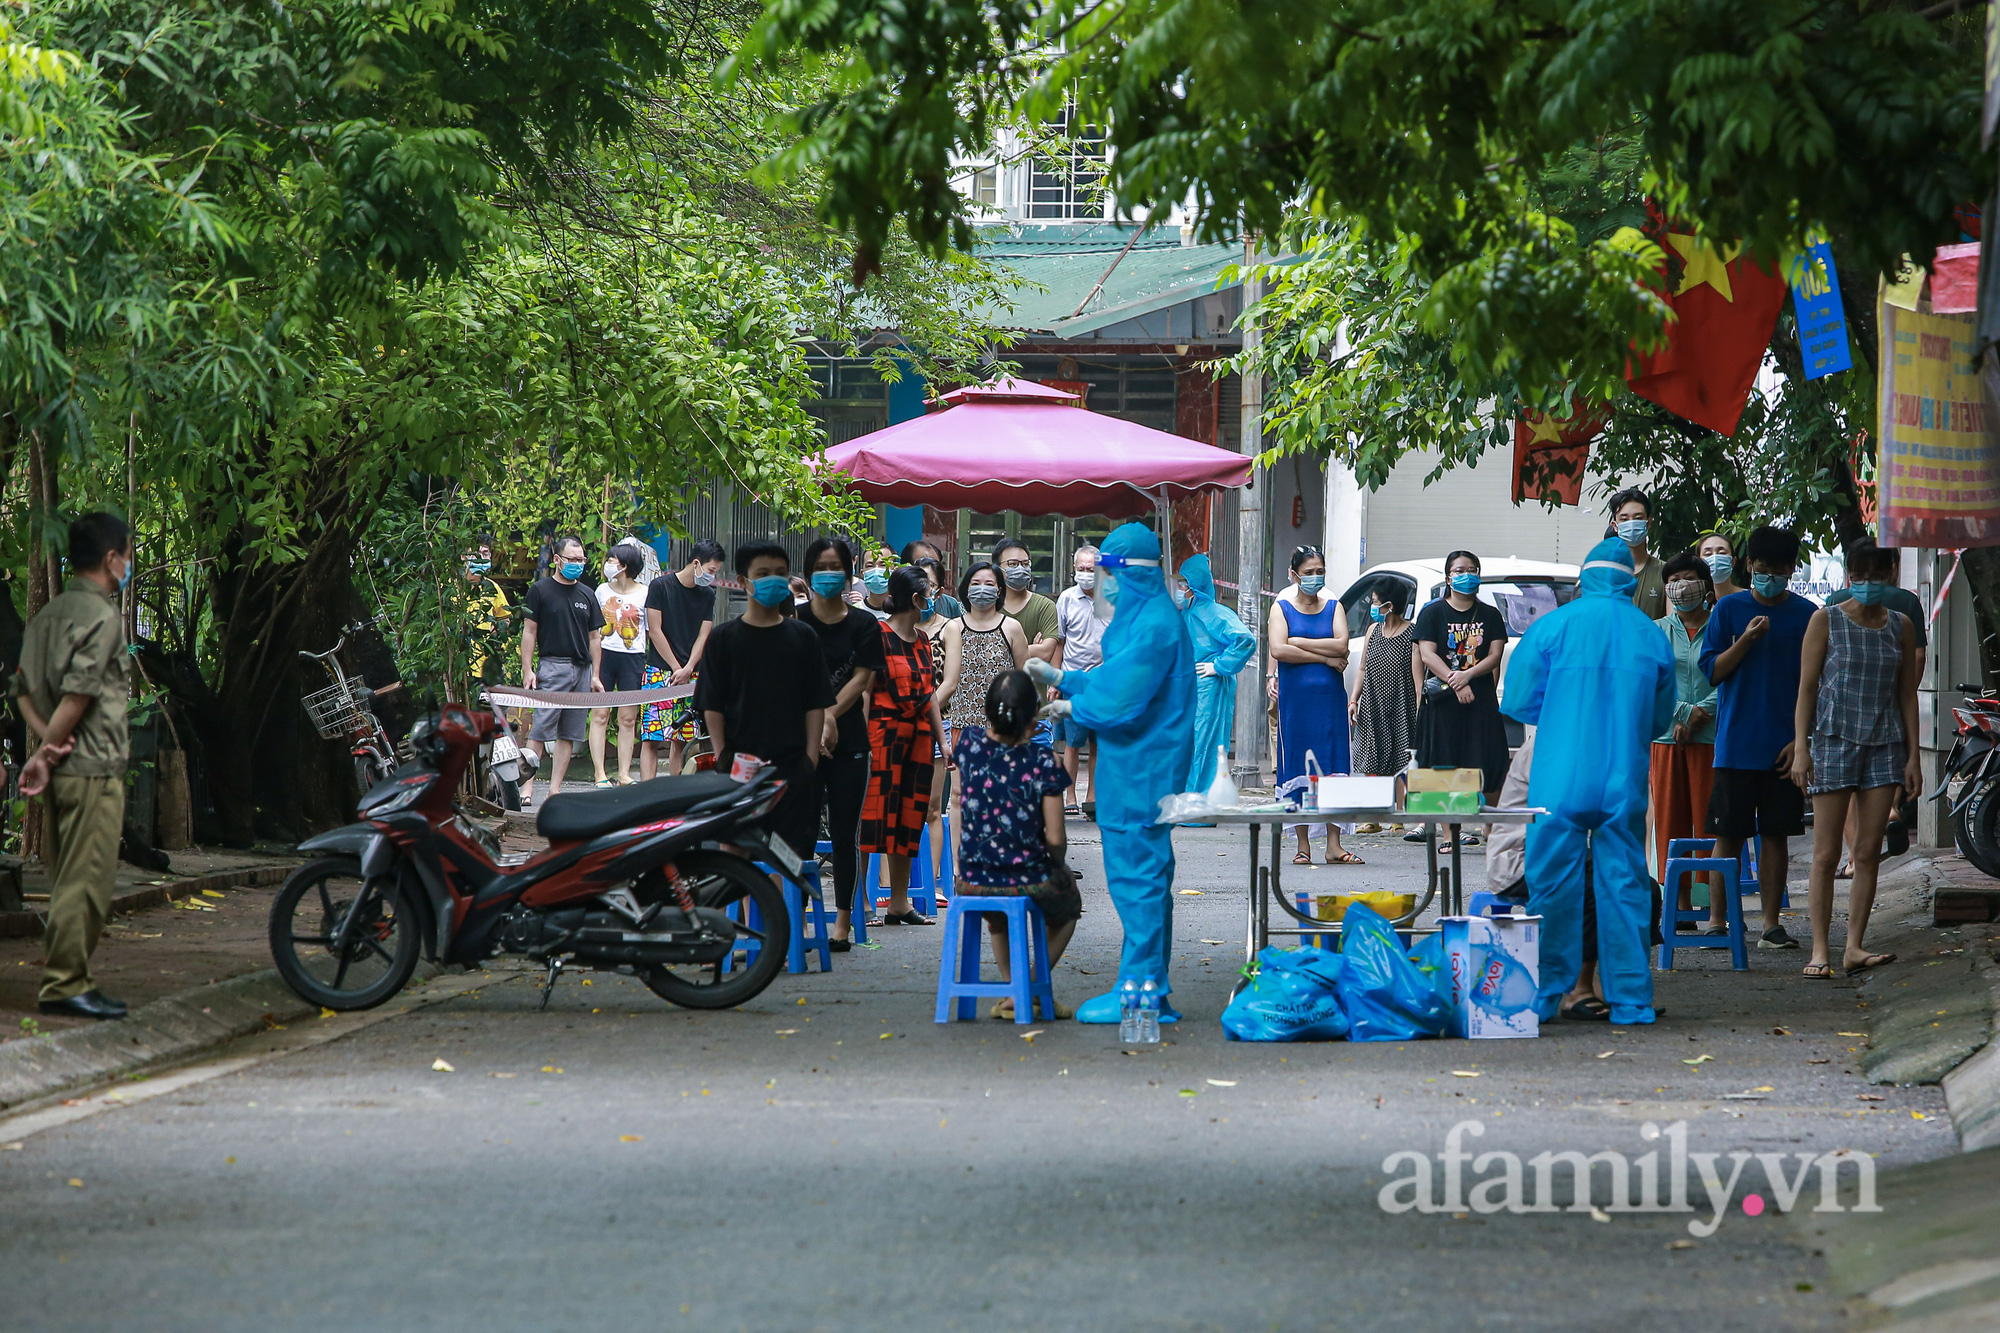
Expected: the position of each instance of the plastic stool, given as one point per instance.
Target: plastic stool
(858, 918)
(803, 909)
(923, 888)
(1027, 958)
(1746, 862)
(1672, 915)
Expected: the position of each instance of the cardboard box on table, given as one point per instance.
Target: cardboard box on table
(1496, 967)
(1445, 791)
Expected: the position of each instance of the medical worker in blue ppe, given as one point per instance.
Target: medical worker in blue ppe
(1608, 675)
(1140, 702)
(1222, 647)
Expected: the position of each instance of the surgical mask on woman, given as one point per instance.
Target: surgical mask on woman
(572, 569)
(1632, 531)
(982, 595)
(1686, 593)
(1465, 584)
(1086, 579)
(1868, 593)
(875, 580)
(1376, 613)
(1720, 567)
(1310, 584)
(1768, 585)
(1019, 577)
(611, 568)
(771, 590)
(829, 583)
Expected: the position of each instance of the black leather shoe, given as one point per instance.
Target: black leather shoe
(90, 1004)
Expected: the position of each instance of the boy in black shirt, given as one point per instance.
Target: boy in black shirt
(763, 691)
(565, 625)
(680, 613)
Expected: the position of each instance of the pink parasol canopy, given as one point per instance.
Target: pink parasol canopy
(1021, 446)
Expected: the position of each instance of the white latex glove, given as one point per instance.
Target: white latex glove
(1204, 668)
(1053, 710)
(1044, 675)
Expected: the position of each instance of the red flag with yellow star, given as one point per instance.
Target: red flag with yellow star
(1725, 308)
(1549, 454)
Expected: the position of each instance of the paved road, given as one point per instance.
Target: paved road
(829, 1158)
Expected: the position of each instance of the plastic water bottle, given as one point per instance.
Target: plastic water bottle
(1128, 1013)
(1149, 1013)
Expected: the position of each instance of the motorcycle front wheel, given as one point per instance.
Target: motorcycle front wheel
(735, 886)
(1978, 831)
(359, 969)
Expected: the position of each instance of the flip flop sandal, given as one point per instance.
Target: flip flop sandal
(1873, 960)
(1470, 840)
(1845, 872)
(606, 782)
(1817, 971)
(1302, 858)
(1345, 859)
(1589, 1009)
(909, 918)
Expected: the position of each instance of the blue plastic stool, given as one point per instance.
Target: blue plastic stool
(858, 917)
(1027, 958)
(803, 910)
(925, 888)
(1746, 862)
(1672, 915)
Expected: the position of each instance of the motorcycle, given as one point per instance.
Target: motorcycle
(1971, 782)
(655, 880)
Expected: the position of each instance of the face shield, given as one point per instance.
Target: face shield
(1105, 596)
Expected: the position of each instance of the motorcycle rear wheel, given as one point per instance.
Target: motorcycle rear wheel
(1978, 831)
(724, 882)
(378, 957)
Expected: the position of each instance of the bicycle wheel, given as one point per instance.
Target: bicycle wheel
(382, 940)
(729, 884)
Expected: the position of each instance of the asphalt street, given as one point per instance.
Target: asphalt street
(828, 1157)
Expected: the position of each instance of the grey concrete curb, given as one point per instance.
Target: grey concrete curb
(170, 1030)
(22, 925)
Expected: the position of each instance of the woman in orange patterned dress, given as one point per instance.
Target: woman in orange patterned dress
(903, 728)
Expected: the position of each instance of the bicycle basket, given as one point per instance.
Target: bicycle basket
(334, 712)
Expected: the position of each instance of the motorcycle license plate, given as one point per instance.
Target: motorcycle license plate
(504, 749)
(781, 849)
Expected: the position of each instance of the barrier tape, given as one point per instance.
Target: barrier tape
(1944, 590)
(513, 696)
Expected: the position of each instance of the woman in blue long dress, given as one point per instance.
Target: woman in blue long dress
(1309, 644)
(1222, 647)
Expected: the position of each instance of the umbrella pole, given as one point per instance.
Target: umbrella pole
(1163, 520)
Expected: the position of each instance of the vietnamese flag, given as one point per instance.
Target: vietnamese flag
(1725, 308)
(1549, 454)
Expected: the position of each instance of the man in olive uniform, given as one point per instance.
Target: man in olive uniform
(72, 690)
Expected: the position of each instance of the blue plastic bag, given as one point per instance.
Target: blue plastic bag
(1293, 997)
(1387, 996)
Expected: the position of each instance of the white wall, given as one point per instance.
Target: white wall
(1469, 508)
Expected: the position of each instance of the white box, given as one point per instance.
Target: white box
(1495, 961)
(1344, 792)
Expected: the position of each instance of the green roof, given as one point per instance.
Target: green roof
(1060, 262)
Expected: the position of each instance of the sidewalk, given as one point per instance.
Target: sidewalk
(204, 921)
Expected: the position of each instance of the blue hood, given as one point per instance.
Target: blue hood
(1607, 570)
(1199, 579)
(1141, 584)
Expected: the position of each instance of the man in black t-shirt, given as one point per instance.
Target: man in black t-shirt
(680, 612)
(763, 691)
(563, 622)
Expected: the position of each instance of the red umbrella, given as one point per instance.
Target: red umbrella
(1021, 446)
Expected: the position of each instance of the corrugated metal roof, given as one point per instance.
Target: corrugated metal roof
(1065, 260)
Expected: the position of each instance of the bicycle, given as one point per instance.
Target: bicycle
(340, 712)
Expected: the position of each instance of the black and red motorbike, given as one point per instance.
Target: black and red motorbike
(654, 880)
(1971, 781)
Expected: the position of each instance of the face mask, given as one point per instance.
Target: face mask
(1720, 567)
(982, 595)
(829, 583)
(572, 569)
(478, 566)
(1086, 579)
(1768, 585)
(1377, 614)
(125, 577)
(876, 581)
(1868, 594)
(1686, 593)
(611, 568)
(1182, 597)
(771, 590)
(1310, 584)
(1465, 583)
(1019, 577)
(1108, 590)
(704, 578)
(1632, 531)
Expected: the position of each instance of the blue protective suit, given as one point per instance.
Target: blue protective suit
(1219, 638)
(1608, 675)
(1140, 702)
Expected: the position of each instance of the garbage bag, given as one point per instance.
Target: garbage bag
(1386, 995)
(1293, 997)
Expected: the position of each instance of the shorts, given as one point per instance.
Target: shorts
(670, 719)
(622, 671)
(563, 676)
(1840, 764)
(1749, 802)
(1060, 902)
(1073, 733)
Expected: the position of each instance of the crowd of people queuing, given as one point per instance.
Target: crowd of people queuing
(892, 695)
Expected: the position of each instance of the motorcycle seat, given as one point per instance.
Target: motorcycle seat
(574, 816)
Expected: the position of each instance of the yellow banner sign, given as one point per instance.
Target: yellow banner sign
(1938, 475)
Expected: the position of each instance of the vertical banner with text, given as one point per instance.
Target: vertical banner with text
(1938, 475)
